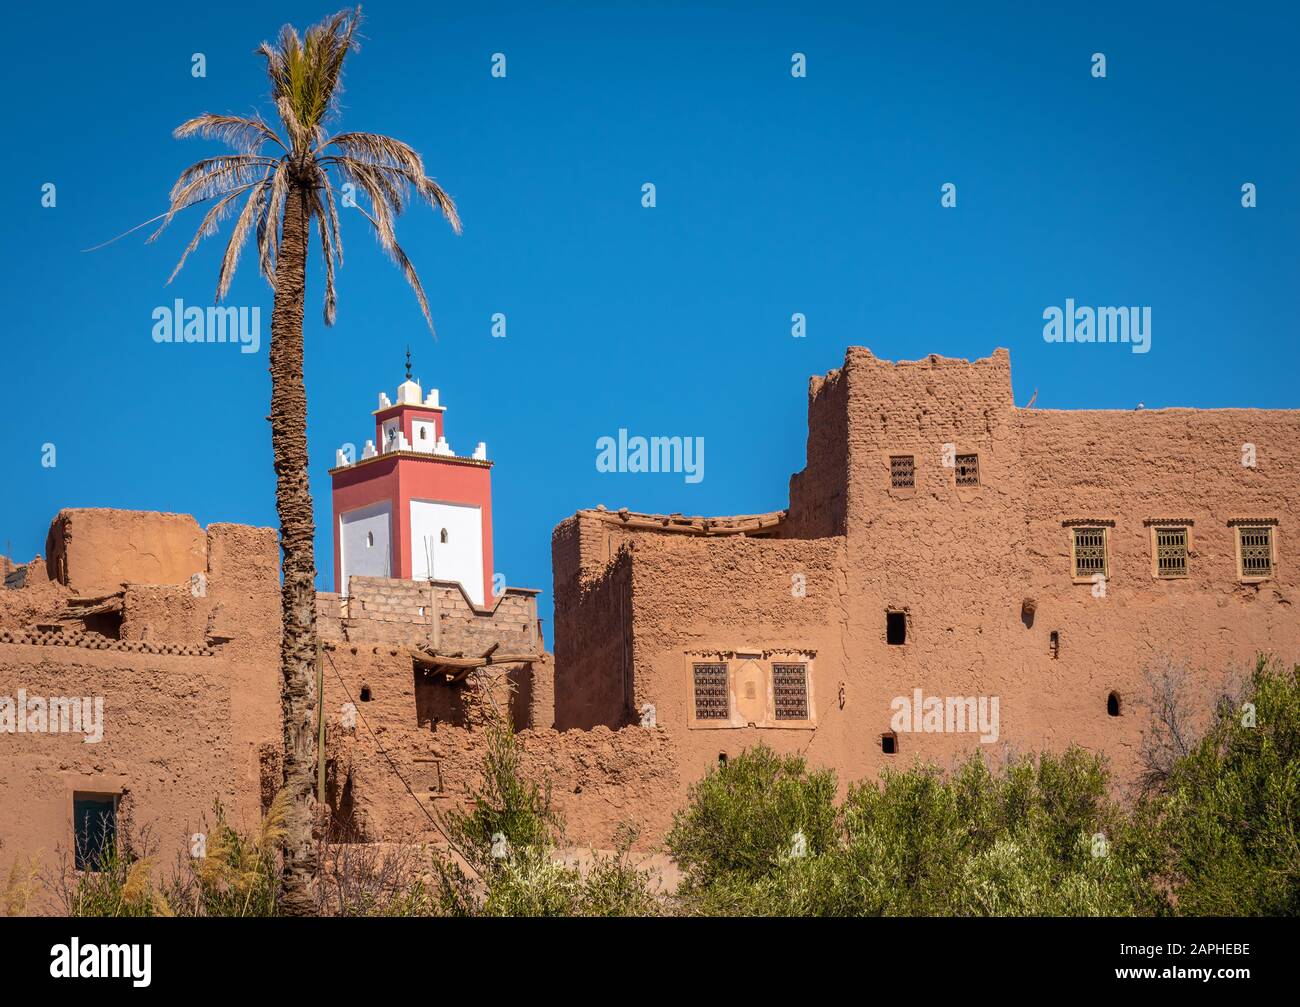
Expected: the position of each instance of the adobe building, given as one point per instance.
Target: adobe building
(136, 679)
(940, 544)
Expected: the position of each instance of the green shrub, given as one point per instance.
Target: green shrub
(1039, 838)
(742, 820)
(1228, 815)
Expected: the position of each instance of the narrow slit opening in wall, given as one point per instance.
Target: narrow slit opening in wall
(1054, 644)
(365, 694)
(1112, 704)
(889, 743)
(722, 759)
(896, 628)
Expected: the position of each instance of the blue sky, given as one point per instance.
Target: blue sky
(775, 195)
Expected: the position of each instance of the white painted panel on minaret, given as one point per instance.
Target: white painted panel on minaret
(457, 554)
(392, 430)
(426, 435)
(365, 543)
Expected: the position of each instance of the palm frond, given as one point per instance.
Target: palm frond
(211, 220)
(335, 230)
(245, 133)
(206, 185)
(211, 164)
(305, 74)
(398, 256)
(327, 250)
(327, 44)
(380, 186)
(397, 162)
(268, 227)
(247, 217)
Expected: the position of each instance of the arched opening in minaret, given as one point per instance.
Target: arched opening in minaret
(443, 537)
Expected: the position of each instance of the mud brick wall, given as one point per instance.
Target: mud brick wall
(817, 494)
(164, 612)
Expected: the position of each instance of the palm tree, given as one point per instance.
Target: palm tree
(283, 192)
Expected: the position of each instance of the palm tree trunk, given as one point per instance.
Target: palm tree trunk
(298, 564)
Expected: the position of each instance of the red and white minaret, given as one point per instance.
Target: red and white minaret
(412, 508)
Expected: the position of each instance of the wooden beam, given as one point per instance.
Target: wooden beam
(461, 666)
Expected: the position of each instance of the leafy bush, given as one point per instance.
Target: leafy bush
(1039, 838)
(1228, 814)
(744, 819)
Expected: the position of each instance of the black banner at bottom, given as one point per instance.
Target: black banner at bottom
(340, 955)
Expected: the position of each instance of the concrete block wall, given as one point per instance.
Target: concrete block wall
(387, 610)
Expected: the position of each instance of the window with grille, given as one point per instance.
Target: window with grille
(1089, 552)
(968, 470)
(1256, 545)
(711, 692)
(902, 472)
(790, 687)
(1171, 552)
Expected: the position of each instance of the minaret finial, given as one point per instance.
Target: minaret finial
(408, 362)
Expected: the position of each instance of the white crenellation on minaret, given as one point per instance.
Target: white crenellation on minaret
(410, 393)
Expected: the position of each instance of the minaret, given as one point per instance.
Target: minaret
(412, 508)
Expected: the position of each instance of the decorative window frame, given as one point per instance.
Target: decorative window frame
(900, 492)
(1156, 524)
(1271, 523)
(1106, 526)
(956, 467)
(736, 660)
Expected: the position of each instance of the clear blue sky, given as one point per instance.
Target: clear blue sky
(775, 195)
